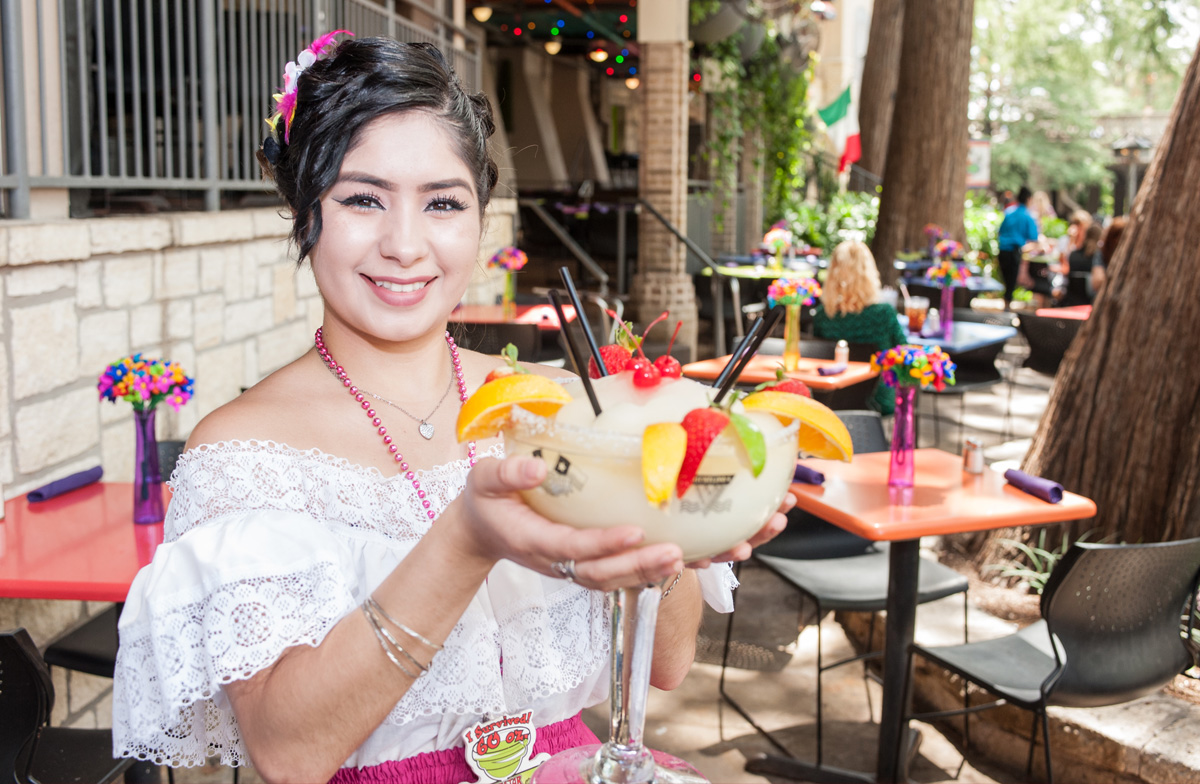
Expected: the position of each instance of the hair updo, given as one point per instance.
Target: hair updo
(367, 78)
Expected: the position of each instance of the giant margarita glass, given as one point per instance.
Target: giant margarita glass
(633, 465)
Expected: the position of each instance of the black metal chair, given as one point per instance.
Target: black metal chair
(838, 570)
(1111, 632)
(1049, 339)
(31, 751)
(492, 338)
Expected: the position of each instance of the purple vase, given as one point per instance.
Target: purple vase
(904, 438)
(147, 478)
(947, 312)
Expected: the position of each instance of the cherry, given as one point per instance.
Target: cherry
(668, 366)
(645, 374)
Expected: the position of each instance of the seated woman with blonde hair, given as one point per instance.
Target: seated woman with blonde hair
(849, 310)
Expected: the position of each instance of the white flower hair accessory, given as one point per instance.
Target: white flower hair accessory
(285, 102)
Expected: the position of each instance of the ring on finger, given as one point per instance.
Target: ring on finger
(565, 570)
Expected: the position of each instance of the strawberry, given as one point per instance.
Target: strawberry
(616, 358)
(509, 367)
(784, 384)
(702, 425)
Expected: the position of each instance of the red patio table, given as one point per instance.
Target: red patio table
(943, 500)
(80, 545)
(542, 315)
(762, 368)
(1077, 312)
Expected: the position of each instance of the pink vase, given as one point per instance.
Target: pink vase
(904, 438)
(947, 312)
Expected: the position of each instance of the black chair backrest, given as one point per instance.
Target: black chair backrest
(26, 699)
(1048, 340)
(1000, 318)
(492, 338)
(866, 431)
(1116, 610)
(168, 456)
(818, 349)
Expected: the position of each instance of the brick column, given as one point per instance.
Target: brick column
(661, 282)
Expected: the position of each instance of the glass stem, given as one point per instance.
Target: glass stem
(623, 759)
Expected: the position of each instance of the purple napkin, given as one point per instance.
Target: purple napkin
(808, 476)
(65, 485)
(1035, 485)
(832, 370)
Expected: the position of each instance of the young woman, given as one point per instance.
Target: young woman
(344, 589)
(849, 309)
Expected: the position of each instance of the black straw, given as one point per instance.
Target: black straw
(736, 356)
(573, 350)
(774, 316)
(587, 330)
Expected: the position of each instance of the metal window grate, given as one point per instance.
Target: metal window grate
(136, 95)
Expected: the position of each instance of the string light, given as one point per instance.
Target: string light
(553, 46)
(632, 83)
(482, 13)
(598, 55)
(609, 71)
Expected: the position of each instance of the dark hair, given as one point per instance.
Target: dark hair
(1024, 194)
(1112, 239)
(367, 78)
(1091, 240)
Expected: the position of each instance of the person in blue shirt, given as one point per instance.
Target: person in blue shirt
(1016, 231)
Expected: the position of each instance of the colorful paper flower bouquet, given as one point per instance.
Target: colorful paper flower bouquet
(908, 368)
(510, 259)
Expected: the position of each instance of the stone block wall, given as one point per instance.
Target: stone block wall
(219, 293)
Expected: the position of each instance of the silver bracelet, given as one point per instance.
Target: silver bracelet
(377, 607)
(387, 642)
(671, 587)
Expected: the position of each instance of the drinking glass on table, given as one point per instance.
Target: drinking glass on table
(917, 309)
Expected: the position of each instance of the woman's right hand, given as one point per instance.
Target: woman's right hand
(498, 524)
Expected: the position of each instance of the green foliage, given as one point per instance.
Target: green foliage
(1043, 74)
(1036, 563)
(981, 219)
(772, 92)
(847, 216)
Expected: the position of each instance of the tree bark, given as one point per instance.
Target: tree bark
(1123, 423)
(926, 171)
(877, 95)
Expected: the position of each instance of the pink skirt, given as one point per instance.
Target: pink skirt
(449, 766)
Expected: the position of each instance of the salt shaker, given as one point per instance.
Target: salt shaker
(973, 455)
(841, 353)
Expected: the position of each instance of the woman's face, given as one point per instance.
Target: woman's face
(400, 231)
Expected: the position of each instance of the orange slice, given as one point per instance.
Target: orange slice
(822, 434)
(486, 413)
(663, 447)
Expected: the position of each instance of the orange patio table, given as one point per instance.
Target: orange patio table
(542, 315)
(762, 368)
(1076, 312)
(80, 545)
(943, 500)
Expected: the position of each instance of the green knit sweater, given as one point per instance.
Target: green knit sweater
(875, 325)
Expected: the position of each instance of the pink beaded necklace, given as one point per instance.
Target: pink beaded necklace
(360, 398)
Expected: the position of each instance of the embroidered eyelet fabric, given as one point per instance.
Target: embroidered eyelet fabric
(267, 547)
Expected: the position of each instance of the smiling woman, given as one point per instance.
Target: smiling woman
(346, 591)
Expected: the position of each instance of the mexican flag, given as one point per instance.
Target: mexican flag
(851, 140)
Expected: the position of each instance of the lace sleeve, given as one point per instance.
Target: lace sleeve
(217, 605)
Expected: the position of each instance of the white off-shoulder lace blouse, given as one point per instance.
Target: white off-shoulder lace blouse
(267, 547)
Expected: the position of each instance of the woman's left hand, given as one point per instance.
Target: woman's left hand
(741, 552)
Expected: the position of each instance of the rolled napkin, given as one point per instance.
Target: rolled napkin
(832, 370)
(1044, 489)
(65, 485)
(809, 476)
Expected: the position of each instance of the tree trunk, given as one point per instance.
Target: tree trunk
(926, 173)
(1123, 423)
(877, 95)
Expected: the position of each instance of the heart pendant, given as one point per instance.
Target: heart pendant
(426, 430)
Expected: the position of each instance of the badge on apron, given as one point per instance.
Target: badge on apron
(500, 750)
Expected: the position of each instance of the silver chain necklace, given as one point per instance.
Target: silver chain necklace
(423, 427)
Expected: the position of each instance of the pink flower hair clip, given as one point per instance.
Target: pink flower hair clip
(285, 102)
